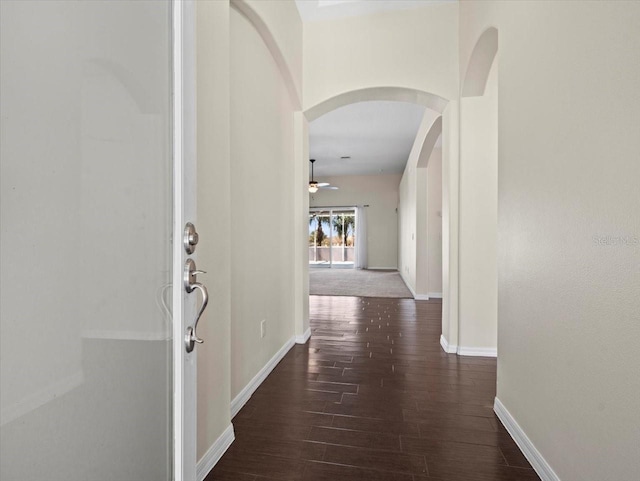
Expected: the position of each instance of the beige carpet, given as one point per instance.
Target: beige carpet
(356, 282)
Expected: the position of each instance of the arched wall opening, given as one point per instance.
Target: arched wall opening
(478, 302)
(395, 94)
(442, 124)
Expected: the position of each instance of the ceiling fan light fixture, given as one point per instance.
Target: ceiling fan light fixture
(313, 185)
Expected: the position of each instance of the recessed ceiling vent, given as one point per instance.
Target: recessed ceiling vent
(345, 157)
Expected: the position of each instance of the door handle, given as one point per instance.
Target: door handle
(191, 284)
(191, 337)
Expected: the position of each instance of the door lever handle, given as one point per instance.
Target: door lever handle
(189, 275)
(191, 337)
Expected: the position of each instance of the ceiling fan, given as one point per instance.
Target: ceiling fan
(314, 185)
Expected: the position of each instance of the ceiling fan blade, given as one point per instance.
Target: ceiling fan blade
(323, 184)
(329, 187)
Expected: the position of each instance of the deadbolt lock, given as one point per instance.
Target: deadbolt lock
(190, 238)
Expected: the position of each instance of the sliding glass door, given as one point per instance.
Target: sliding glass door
(332, 237)
(319, 238)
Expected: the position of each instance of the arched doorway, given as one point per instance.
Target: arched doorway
(443, 121)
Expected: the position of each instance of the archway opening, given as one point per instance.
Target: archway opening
(428, 139)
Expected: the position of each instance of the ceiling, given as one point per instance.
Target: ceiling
(318, 10)
(377, 136)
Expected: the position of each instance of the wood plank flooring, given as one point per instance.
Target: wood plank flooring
(372, 397)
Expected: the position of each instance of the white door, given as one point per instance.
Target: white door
(97, 179)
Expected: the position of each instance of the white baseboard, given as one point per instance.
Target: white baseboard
(446, 347)
(477, 351)
(304, 338)
(467, 351)
(382, 268)
(413, 293)
(420, 297)
(214, 453)
(530, 452)
(244, 395)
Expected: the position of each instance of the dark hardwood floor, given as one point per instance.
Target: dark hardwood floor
(373, 397)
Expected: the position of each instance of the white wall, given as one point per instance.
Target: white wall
(422, 232)
(414, 48)
(300, 264)
(241, 90)
(450, 218)
(280, 27)
(478, 321)
(428, 245)
(282, 19)
(568, 229)
(434, 223)
(262, 189)
(407, 227)
(420, 227)
(420, 202)
(380, 192)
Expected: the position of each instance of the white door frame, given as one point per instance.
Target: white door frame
(184, 210)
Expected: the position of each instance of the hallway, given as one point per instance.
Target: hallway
(372, 396)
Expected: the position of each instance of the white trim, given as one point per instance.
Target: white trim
(320, 208)
(178, 217)
(41, 397)
(477, 351)
(435, 295)
(304, 337)
(244, 395)
(530, 452)
(416, 296)
(413, 293)
(382, 269)
(446, 347)
(214, 453)
(184, 208)
(467, 351)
